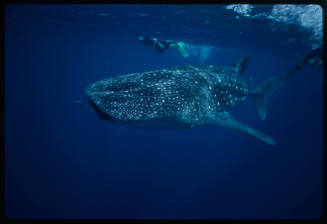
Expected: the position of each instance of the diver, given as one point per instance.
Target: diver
(315, 58)
(161, 45)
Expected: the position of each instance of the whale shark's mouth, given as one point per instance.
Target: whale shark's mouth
(99, 112)
(92, 91)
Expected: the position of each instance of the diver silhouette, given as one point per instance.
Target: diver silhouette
(161, 44)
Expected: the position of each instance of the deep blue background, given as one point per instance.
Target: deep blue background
(62, 161)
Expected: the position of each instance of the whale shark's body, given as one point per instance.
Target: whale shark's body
(186, 96)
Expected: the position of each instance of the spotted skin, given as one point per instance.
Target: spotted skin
(187, 95)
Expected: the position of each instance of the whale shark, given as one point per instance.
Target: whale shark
(185, 96)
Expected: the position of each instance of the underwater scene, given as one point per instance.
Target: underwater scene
(140, 111)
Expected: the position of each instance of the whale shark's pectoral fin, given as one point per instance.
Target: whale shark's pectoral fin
(224, 119)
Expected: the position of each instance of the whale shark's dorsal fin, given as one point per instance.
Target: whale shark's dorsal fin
(241, 66)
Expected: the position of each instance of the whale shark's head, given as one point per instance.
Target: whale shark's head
(96, 93)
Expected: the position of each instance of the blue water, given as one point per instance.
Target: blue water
(62, 161)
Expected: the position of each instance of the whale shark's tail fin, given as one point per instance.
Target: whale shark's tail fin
(269, 86)
(264, 91)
